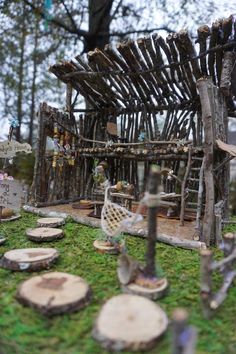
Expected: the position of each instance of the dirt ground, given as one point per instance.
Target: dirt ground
(166, 226)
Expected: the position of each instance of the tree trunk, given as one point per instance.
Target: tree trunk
(21, 75)
(99, 22)
(33, 85)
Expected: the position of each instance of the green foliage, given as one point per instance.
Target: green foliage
(25, 331)
(22, 168)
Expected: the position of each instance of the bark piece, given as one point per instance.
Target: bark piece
(152, 294)
(105, 247)
(122, 323)
(42, 234)
(50, 222)
(128, 269)
(29, 259)
(226, 73)
(54, 293)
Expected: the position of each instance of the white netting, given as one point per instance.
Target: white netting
(115, 218)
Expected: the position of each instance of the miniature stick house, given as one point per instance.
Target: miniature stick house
(151, 100)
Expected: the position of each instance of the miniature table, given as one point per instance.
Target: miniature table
(126, 199)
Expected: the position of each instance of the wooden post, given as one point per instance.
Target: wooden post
(229, 243)
(150, 269)
(183, 336)
(183, 187)
(204, 86)
(68, 97)
(218, 221)
(206, 281)
(1, 213)
(227, 68)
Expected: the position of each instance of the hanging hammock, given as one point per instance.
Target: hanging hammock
(115, 218)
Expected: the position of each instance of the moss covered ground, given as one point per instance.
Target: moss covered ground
(24, 331)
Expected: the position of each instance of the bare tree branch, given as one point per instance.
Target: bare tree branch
(58, 22)
(69, 15)
(122, 34)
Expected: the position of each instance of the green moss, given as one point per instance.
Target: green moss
(24, 331)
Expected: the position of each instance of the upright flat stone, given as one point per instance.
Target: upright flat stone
(129, 322)
(54, 293)
(42, 234)
(50, 222)
(29, 259)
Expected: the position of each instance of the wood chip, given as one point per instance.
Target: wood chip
(105, 247)
(150, 293)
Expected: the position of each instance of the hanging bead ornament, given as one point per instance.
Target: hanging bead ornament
(72, 160)
(61, 151)
(47, 14)
(67, 147)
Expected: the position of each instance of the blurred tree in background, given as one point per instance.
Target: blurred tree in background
(33, 36)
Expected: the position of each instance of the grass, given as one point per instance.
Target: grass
(24, 331)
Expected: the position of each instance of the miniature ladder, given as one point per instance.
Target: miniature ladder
(192, 185)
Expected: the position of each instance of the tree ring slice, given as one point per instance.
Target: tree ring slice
(41, 234)
(29, 259)
(129, 322)
(55, 293)
(50, 222)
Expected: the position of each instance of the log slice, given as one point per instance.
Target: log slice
(129, 322)
(54, 293)
(150, 293)
(29, 259)
(106, 247)
(50, 222)
(42, 234)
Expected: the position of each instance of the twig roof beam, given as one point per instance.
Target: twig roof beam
(151, 71)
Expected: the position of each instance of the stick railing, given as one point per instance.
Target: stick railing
(211, 301)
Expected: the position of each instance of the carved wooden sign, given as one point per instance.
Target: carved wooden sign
(112, 128)
(9, 149)
(10, 194)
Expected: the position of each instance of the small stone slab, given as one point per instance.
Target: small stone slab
(104, 247)
(150, 293)
(50, 222)
(129, 322)
(29, 259)
(42, 234)
(55, 293)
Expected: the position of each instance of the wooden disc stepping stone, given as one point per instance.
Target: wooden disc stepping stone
(54, 293)
(29, 259)
(129, 322)
(50, 222)
(42, 234)
(150, 293)
(105, 247)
